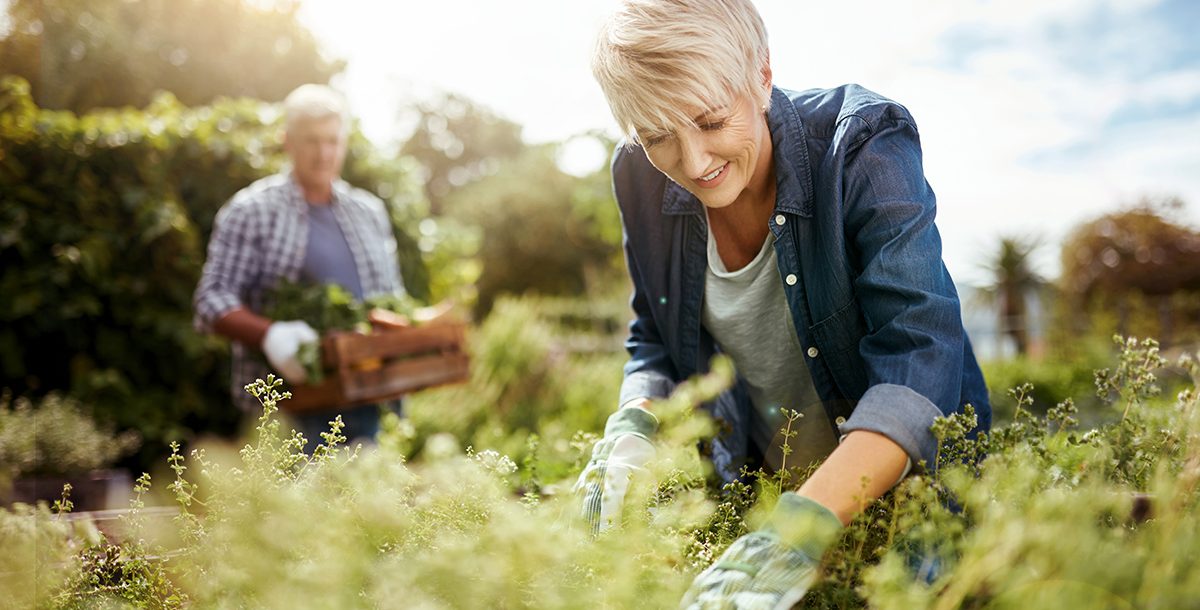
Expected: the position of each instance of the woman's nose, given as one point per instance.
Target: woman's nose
(693, 155)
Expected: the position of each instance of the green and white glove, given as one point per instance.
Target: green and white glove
(624, 450)
(772, 568)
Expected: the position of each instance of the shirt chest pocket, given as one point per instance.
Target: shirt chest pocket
(837, 338)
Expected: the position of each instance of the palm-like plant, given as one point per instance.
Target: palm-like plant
(1012, 279)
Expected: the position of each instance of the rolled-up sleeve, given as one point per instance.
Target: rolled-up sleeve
(914, 350)
(232, 263)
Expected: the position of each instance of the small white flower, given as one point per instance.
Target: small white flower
(494, 461)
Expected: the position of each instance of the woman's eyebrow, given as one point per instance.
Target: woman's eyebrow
(708, 115)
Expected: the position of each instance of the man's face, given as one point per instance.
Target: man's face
(317, 148)
(723, 154)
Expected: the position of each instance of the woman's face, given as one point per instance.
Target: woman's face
(723, 156)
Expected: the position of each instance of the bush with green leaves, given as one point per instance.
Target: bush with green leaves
(542, 230)
(55, 437)
(1046, 519)
(1053, 379)
(533, 387)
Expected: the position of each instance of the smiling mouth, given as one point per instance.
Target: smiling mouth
(712, 176)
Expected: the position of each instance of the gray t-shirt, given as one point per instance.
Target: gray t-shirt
(747, 314)
(328, 259)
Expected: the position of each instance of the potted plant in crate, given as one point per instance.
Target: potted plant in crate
(56, 442)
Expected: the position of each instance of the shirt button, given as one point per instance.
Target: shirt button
(840, 420)
(812, 352)
(790, 279)
(780, 219)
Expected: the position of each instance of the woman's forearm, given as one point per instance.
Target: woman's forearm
(863, 467)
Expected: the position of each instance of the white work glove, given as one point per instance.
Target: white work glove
(624, 450)
(282, 344)
(772, 568)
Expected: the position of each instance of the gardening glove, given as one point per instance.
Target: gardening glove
(282, 344)
(624, 450)
(772, 568)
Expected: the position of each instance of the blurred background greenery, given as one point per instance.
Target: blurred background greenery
(126, 124)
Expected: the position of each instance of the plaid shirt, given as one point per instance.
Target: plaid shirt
(260, 237)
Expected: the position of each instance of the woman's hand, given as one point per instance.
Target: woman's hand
(772, 568)
(623, 452)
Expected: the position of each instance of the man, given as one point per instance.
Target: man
(303, 224)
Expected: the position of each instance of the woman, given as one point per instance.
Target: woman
(794, 232)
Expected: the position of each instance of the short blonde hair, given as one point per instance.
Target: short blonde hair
(658, 61)
(314, 102)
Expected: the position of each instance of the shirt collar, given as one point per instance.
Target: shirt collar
(337, 193)
(793, 173)
(677, 200)
(793, 176)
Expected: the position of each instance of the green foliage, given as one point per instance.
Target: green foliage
(57, 437)
(85, 54)
(515, 223)
(526, 377)
(40, 554)
(1053, 380)
(330, 307)
(550, 240)
(1045, 520)
(116, 574)
(458, 142)
(325, 307)
(103, 224)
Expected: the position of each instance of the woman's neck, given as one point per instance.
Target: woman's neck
(741, 227)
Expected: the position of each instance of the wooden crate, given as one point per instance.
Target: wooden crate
(384, 365)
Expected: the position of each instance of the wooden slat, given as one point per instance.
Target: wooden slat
(350, 348)
(399, 378)
(321, 397)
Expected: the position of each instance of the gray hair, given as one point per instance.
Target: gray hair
(313, 102)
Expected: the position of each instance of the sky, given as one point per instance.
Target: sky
(1034, 116)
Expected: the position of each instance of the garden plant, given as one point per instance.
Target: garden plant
(1039, 513)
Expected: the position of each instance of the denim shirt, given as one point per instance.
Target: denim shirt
(874, 307)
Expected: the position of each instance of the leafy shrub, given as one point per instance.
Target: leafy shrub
(559, 238)
(1053, 381)
(527, 378)
(40, 554)
(55, 438)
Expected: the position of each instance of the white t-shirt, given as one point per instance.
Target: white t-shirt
(747, 314)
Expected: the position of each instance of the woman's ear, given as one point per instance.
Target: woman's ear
(766, 75)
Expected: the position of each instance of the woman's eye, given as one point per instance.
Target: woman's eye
(654, 140)
(712, 125)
